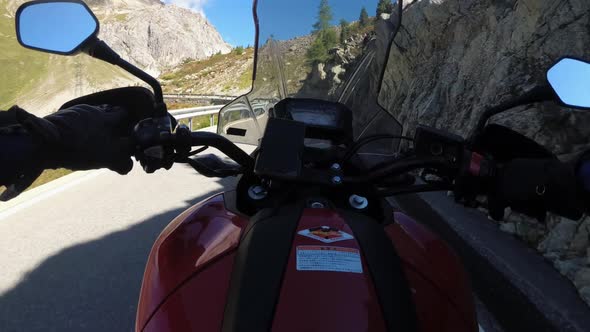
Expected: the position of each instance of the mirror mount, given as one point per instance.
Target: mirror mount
(98, 49)
(567, 84)
(538, 94)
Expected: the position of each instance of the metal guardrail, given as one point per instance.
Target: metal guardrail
(190, 113)
(197, 97)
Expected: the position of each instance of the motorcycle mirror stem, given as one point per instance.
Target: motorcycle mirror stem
(538, 94)
(98, 49)
(568, 84)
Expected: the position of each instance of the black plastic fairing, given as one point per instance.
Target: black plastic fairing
(386, 269)
(259, 266)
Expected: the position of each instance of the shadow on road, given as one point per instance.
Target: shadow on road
(88, 287)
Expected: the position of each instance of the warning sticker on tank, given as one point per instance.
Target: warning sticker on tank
(326, 234)
(323, 258)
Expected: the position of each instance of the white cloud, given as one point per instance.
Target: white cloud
(194, 5)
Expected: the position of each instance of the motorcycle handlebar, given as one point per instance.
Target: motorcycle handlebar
(202, 138)
(399, 167)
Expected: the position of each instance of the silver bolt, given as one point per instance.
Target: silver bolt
(337, 180)
(541, 189)
(336, 167)
(317, 205)
(358, 202)
(257, 192)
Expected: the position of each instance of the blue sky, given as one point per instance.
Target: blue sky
(283, 18)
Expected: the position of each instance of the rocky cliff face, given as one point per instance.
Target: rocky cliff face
(454, 58)
(155, 36)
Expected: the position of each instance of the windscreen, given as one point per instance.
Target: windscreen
(331, 50)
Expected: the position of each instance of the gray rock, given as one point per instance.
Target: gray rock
(455, 58)
(585, 294)
(530, 231)
(508, 227)
(337, 71)
(581, 240)
(582, 278)
(559, 237)
(552, 256)
(320, 70)
(156, 36)
(569, 268)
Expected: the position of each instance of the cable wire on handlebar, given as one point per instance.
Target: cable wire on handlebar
(398, 167)
(197, 151)
(364, 141)
(386, 192)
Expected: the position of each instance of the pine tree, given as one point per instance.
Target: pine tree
(324, 17)
(364, 18)
(326, 37)
(317, 52)
(389, 8)
(344, 31)
(384, 7)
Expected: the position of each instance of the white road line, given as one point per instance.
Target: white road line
(481, 329)
(44, 194)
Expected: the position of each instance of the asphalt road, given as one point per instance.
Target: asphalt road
(72, 258)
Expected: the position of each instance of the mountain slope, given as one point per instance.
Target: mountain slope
(145, 32)
(158, 37)
(221, 74)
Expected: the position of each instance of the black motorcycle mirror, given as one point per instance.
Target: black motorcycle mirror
(67, 27)
(570, 79)
(568, 84)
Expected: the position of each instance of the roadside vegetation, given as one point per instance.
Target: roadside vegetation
(200, 122)
(224, 74)
(327, 37)
(21, 68)
(46, 177)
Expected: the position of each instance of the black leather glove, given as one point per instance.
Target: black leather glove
(82, 137)
(535, 187)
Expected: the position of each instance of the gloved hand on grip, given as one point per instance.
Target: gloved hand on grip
(535, 187)
(82, 137)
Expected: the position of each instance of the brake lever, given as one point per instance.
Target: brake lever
(212, 166)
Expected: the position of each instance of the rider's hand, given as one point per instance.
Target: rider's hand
(535, 187)
(82, 137)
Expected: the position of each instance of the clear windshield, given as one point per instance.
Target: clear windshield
(330, 50)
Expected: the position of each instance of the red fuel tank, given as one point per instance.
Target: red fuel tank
(326, 284)
(194, 250)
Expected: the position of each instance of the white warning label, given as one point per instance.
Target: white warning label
(324, 258)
